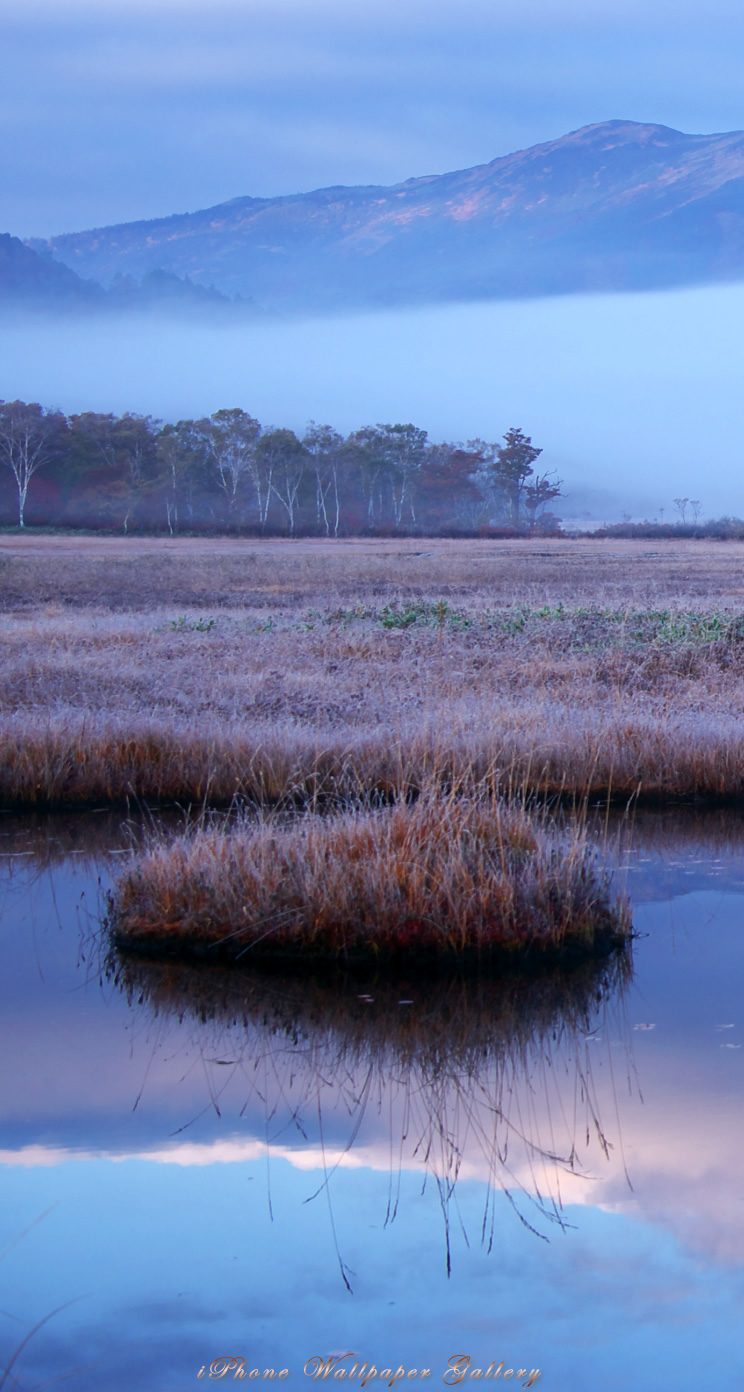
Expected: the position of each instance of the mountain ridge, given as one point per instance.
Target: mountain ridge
(31, 280)
(614, 205)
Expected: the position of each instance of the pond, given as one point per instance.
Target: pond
(476, 1181)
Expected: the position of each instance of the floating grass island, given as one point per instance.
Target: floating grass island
(459, 882)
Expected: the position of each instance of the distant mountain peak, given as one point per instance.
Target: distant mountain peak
(636, 130)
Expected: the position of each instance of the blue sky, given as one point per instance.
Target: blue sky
(114, 111)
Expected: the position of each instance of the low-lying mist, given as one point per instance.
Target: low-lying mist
(635, 399)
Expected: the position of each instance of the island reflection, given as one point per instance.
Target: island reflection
(466, 1078)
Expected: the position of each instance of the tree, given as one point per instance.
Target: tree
(364, 448)
(390, 458)
(405, 447)
(126, 448)
(506, 469)
(447, 488)
(183, 469)
(324, 448)
(30, 437)
(229, 438)
(511, 468)
(537, 494)
(285, 461)
(136, 457)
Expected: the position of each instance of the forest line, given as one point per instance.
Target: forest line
(228, 472)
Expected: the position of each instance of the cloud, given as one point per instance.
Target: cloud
(685, 1179)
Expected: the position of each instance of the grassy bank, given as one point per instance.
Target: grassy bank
(550, 751)
(457, 882)
(286, 672)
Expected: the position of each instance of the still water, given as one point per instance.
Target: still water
(545, 1177)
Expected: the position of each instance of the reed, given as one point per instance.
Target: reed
(460, 882)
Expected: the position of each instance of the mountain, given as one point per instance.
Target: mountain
(30, 280)
(614, 206)
(34, 280)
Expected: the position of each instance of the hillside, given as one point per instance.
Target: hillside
(34, 280)
(29, 279)
(614, 206)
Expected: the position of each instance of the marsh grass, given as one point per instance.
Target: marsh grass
(527, 747)
(286, 673)
(460, 882)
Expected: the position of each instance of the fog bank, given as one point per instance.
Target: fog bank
(636, 399)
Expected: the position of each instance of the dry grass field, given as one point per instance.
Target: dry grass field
(193, 670)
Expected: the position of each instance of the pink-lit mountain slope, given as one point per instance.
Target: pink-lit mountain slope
(614, 206)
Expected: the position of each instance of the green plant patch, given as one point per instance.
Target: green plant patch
(427, 613)
(183, 624)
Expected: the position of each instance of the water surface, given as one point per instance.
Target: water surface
(548, 1175)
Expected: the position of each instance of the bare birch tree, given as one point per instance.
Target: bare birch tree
(230, 439)
(29, 439)
(284, 455)
(324, 448)
(390, 459)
